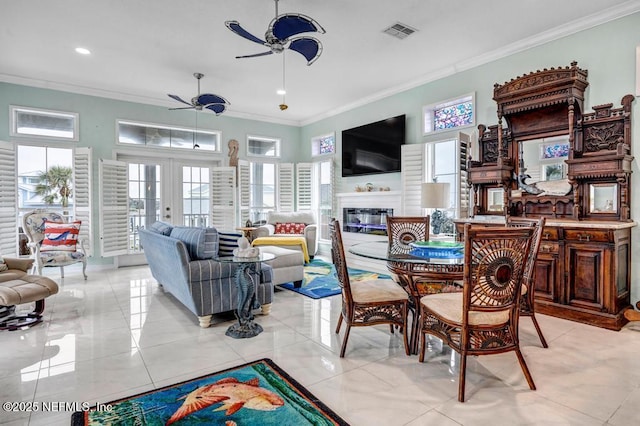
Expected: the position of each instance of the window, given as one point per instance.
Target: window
(153, 135)
(262, 187)
(144, 200)
(323, 171)
(323, 145)
(41, 123)
(453, 114)
(258, 146)
(45, 177)
(195, 196)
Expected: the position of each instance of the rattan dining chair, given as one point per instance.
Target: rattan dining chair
(527, 305)
(483, 318)
(368, 302)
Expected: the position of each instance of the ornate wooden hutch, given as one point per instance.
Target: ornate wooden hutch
(581, 165)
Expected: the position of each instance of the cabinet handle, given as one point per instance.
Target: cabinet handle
(586, 237)
(546, 235)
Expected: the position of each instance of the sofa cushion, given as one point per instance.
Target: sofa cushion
(228, 242)
(201, 243)
(306, 217)
(159, 227)
(289, 228)
(60, 236)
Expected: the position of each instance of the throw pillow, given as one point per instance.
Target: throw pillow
(161, 228)
(3, 266)
(60, 236)
(228, 242)
(289, 228)
(202, 243)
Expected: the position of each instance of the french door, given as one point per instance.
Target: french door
(176, 191)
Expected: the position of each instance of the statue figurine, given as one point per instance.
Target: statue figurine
(233, 152)
(245, 250)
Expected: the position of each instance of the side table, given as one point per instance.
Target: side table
(247, 302)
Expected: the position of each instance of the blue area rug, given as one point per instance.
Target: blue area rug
(320, 279)
(257, 393)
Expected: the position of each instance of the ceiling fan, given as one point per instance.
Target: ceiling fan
(279, 35)
(212, 102)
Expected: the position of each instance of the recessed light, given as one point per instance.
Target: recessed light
(281, 92)
(83, 51)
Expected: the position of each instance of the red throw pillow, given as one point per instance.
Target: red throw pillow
(290, 228)
(60, 236)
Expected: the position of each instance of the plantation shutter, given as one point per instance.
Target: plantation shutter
(82, 195)
(465, 142)
(223, 197)
(244, 191)
(304, 189)
(285, 187)
(413, 166)
(8, 200)
(114, 211)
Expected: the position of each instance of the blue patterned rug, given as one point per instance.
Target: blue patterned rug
(257, 393)
(320, 279)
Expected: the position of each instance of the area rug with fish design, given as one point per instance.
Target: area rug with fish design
(256, 393)
(320, 279)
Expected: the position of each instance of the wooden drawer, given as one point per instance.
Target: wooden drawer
(549, 234)
(586, 235)
(550, 247)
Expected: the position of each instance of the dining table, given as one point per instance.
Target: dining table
(419, 269)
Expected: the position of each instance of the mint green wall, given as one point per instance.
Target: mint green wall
(607, 51)
(98, 128)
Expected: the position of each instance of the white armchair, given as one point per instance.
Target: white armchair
(302, 217)
(54, 247)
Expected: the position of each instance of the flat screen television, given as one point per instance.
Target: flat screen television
(373, 148)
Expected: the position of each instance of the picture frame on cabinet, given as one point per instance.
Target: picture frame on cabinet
(554, 150)
(552, 171)
(495, 199)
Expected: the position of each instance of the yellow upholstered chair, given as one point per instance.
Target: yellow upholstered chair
(483, 318)
(53, 241)
(369, 302)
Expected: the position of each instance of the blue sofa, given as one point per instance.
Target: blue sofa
(182, 260)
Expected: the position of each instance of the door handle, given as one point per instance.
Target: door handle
(168, 216)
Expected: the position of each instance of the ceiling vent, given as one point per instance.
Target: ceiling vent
(400, 31)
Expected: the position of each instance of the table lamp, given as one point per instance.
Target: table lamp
(436, 196)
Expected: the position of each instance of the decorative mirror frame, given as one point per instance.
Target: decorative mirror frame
(603, 198)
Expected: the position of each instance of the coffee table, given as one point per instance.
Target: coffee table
(247, 302)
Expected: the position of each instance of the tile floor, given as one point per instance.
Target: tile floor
(118, 334)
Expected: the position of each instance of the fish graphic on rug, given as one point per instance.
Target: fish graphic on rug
(235, 395)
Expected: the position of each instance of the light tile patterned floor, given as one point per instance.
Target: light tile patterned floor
(118, 334)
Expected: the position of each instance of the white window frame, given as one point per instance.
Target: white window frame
(217, 133)
(315, 145)
(14, 110)
(428, 119)
(276, 141)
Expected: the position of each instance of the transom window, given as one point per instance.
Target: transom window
(42, 123)
(323, 145)
(259, 146)
(153, 135)
(449, 115)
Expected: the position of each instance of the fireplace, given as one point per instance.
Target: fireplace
(360, 220)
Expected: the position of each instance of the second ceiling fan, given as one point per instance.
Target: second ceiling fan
(280, 35)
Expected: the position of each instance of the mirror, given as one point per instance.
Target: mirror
(542, 161)
(495, 198)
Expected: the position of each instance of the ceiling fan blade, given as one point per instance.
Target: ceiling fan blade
(217, 108)
(209, 98)
(284, 26)
(173, 109)
(308, 47)
(236, 28)
(255, 55)
(177, 98)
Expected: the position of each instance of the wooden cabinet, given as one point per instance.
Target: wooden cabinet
(584, 261)
(585, 275)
